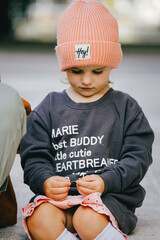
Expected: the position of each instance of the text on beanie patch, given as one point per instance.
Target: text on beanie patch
(82, 51)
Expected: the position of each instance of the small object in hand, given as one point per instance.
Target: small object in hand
(76, 180)
(73, 181)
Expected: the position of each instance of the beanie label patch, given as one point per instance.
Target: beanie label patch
(82, 51)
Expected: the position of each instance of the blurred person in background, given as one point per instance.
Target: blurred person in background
(12, 129)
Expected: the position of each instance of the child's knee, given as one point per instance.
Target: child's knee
(46, 222)
(89, 223)
(44, 217)
(80, 216)
(87, 215)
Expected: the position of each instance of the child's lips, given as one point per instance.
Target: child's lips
(86, 89)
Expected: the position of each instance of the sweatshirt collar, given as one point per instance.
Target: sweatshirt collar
(68, 101)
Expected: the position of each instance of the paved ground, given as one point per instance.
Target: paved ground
(35, 73)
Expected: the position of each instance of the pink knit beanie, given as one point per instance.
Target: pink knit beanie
(87, 35)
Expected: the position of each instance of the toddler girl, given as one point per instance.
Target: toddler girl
(87, 148)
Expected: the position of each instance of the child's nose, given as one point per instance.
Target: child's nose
(86, 79)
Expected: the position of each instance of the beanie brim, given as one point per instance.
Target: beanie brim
(101, 54)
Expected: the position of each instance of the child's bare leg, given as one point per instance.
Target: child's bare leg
(48, 222)
(88, 223)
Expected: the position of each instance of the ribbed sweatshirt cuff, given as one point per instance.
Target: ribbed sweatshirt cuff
(109, 182)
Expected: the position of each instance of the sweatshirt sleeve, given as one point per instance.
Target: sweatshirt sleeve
(135, 156)
(36, 153)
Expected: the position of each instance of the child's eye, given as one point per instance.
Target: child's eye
(97, 72)
(76, 71)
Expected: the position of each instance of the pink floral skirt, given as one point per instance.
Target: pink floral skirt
(93, 200)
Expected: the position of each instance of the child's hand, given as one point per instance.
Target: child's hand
(90, 184)
(57, 188)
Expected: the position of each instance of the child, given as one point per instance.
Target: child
(87, 141)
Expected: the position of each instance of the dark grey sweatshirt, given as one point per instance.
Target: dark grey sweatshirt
(110, 137)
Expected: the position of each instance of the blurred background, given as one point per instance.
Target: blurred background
(36, 20)
(29, 64)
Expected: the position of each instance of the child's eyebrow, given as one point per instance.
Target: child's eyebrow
(92, 69)
(100, 68)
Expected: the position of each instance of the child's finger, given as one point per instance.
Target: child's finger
(61, 190)
(92, 182)
(57, 181)
(61, 179)
(88, 178)
(54, 182)
(85, 184)
(84, 191)
(59, 197)
(58, 184)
